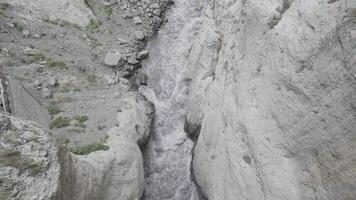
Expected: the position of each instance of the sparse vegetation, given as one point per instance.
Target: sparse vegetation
(81, 119)
(93, 25)
(108, 10)
(86, 150)
(66, 121)
(39, 57)
(13, 158)
(59, 122)
(52, 110)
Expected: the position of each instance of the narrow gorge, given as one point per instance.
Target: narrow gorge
(168, 154)
(177, 100)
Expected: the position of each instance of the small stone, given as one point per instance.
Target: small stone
(157, 12)
(155, 5)
(112, 58)
(121, 41)
(53, 82)
(26, 33)
(137, 20)
(46, 93)
(132, 60)
(38, 83)
(142, 55)
(139, 35)
(11, 25)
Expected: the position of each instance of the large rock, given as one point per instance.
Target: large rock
(32, 166)
(118, 172)
(273, 95)
(29, 164)
(73, 11)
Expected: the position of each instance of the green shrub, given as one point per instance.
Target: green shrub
(93, 25)
(59, 122)
(52, 110)
(108, 10)
(81, 119)
(86, 150)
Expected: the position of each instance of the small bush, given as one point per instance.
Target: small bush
(13, 158)
(86, 150)
(108, 10)
(81, 119)
(93, 25)
(52, 110)
(59, 122)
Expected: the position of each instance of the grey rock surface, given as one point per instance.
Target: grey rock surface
(32, 166)
(29, 163)
(273, 90)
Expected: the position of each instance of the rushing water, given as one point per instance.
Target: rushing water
(168, 153)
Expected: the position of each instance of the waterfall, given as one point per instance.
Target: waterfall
(168, 153)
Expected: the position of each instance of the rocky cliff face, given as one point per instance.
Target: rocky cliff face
(33, 166)
(272, 100)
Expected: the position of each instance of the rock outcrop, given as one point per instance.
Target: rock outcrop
(33, 166)
(29, 163)
(272, 100)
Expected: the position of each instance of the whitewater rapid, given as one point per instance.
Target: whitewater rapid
(168, 153)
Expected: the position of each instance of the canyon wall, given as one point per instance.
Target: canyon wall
(272, 100)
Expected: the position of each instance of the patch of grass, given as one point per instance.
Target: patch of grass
(53, 64)
(59, 122)
(81, 119)
(86, 150)
(52, 110)
(13, 158)
(93, 25)
(39, 57)
(108, 10)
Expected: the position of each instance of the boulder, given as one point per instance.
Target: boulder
(112, 58)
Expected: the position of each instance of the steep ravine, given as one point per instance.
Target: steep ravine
(168, 154)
